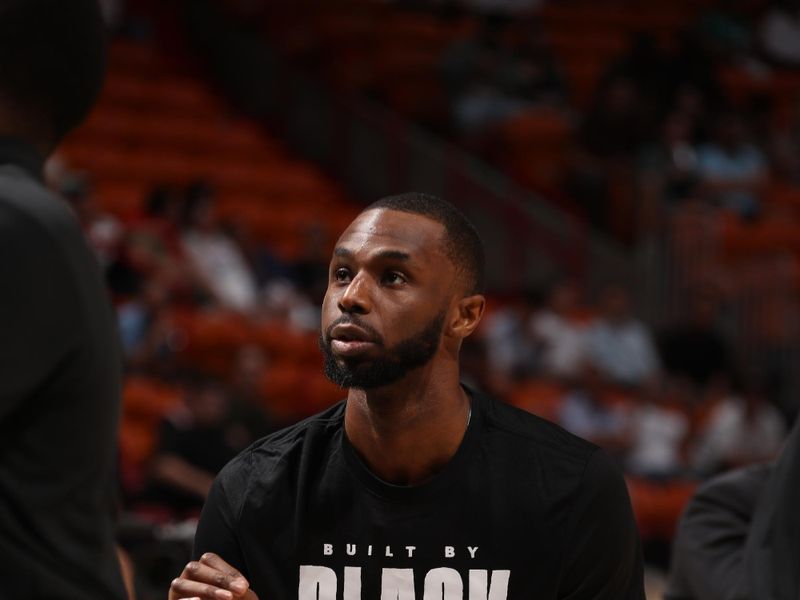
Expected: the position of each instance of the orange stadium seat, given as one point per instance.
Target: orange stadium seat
(542, 397)
(145, 402)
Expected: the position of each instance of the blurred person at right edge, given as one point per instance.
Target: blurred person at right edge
(739, 537)
(60, 363)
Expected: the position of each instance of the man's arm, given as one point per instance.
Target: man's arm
(708, 551)
(38, 325)
(216, 572)
(603, 559)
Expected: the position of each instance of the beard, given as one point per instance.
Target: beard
(395, 362)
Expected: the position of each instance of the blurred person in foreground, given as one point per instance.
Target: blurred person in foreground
(60, 363)
(415, 485)
(739, 537)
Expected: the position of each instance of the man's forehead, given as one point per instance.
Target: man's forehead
(411, 232)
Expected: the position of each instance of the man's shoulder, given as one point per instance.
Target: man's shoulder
(266, 458)
(30, 213)
(524, 431)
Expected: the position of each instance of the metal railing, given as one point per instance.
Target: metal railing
(375, 153)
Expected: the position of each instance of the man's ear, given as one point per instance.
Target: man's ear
(467, 315)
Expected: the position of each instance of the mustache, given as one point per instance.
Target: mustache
(346, 319)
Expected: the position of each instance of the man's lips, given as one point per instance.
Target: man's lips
(350, 340)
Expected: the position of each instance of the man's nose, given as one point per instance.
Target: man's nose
(356, 297)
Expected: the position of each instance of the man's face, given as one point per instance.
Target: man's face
(388, 291)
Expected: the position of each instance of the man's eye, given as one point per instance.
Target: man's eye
(393, 278)
(341, 275)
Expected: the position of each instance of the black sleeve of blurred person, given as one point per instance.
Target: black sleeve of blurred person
(60, 378)
(708, 556)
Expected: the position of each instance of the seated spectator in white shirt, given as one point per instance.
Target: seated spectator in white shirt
(218, 261)
(561, 332)
(511, 349)
(620, 346)
(741, 430)
(732, 171)
(659, 433)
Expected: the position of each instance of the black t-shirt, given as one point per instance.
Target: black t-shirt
(60, 372)
(523, 511)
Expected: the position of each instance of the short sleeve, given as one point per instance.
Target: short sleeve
(603, 559)
(217, 530)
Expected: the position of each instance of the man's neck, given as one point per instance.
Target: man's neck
(408, 431)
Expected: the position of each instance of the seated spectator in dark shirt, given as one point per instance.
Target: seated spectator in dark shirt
(497, 74)
(612, 132)
(249, 403)
(695, 348)
(668, 167)
(643, 64)
(195, 442)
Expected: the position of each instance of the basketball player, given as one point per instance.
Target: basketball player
(414, 487)
(59, 359)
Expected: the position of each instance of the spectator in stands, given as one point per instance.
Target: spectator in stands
(162, 213)
(733, 171)
(310, 271)
(195, 442)
(104, 231)
(615, 126)
(694, 86)
(779, 33)
(643, 64)
(144, 327)
(612, 131)
(217, 260)
(784, 146)
(695, 348)
(506, 7)
(249, 403)
(587, 412)
(727, 32)
(151, 249)
(619, 345)
(559, 331)
(490, 78)
(511, 349)
(667, 169)
(741, 430)
(659, 433)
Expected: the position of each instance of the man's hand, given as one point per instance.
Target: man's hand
(210, 578)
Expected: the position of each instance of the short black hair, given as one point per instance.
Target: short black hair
(52, 60)
(462, 244)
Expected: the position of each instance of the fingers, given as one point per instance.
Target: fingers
(186, 588)
(215, 562)
(209, 578)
